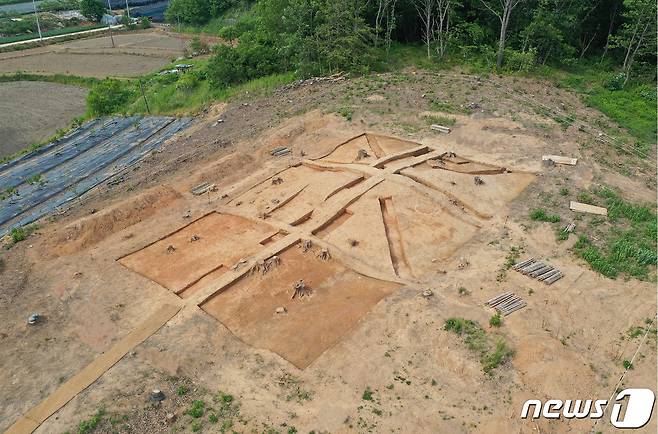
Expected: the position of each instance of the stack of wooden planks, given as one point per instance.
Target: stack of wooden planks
(539, 270)
(506, 303)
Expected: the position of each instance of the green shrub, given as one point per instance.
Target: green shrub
(109, 96)
(197, 409)
(495, 320)
(615, 81)
(224, 67)
(19, 234)
(520, 61)
(144, 23)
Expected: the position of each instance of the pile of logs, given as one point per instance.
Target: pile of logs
(506, 303)
(539, 270)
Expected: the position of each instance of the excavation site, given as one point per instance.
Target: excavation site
(271, 265)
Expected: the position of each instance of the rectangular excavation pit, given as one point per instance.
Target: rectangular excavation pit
(382, 163)
(309, 325)
(330, 225)
(209, 245)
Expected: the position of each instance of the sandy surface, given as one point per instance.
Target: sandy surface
(31, 112)
(443, 233)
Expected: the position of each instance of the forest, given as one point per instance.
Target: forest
(311, 37)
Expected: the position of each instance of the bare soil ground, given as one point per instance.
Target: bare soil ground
(134, 54)
(44, 108)
(363, 350)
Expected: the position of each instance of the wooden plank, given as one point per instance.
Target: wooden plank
(558, 159)
(99, 366)
(591, 209)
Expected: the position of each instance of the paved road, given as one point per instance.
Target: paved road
(48, 38)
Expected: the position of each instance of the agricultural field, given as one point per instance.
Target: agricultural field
(133, 54)
(44, 108)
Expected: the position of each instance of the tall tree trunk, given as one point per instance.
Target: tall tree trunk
(501, 41)
(607, 40)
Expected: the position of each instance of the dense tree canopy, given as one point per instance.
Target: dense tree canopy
(92, 9)
(324, 36)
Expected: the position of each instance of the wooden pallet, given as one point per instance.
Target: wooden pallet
(539, 270)
(506, 303)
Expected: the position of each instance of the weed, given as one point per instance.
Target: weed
(585, 197)
(441, 120)
(196, 426)
(510, 260)
(197, 409)
(491, 355)
(564, 191)
(346, 112)
(561, 234)
(8, 193)
(627, 364)
(36, 179)
(367, 394)
(182, 390)
(463, 291)
(495, 320)
(634, 332)
(540, 215)
(499, 355)
(21, 233)
(213, 418)
(88, 426)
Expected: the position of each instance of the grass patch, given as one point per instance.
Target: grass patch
(627, 245)
(18, 234)
(540, 215)
(632, 108)
(440, 120)
(346, 112)
(90, 425)
(492, 353)
(188, 93)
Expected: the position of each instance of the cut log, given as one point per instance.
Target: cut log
(440, 128)
(524, 263)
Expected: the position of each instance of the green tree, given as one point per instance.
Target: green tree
(343, 40)
(92, 9)
(193, 12)
(637, 35)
